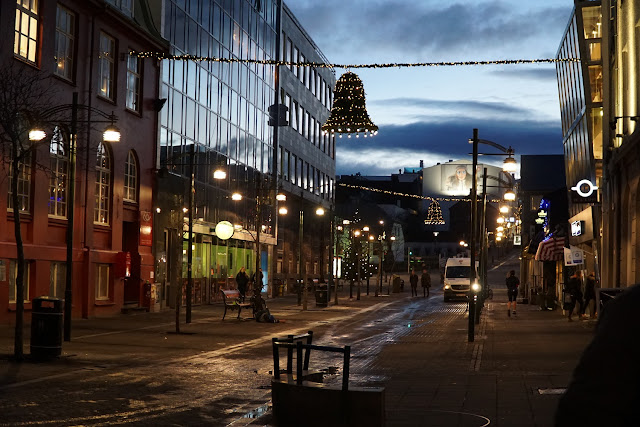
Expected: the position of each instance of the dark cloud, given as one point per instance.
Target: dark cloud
(402, 146)
(455, 105)
(542, 74)
(411, 28)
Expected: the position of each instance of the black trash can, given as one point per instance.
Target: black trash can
(321, 295)
(46, 328)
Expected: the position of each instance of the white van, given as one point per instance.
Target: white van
(456, 278)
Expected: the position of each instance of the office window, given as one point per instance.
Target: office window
(13, 274)
(25, 44)
(59, 163)
(64, 43)
(106, 66)
(57, 279)
(133, 83)
(24, 184)
(131, 178)
(102, 282)
(103, 185)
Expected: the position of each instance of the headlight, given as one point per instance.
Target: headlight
(476, 287)
(447, 286)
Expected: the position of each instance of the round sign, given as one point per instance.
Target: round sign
(584, 188)
(224, 230)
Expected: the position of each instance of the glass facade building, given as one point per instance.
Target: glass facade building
(216, 115)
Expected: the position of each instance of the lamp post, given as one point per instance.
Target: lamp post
(111, 134)
(509, 165)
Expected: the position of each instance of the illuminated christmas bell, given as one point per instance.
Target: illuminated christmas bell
(349, 111)
(434, 214)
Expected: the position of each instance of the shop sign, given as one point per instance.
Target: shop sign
(146, 226)
(584, 192)
(577, 228)
(573, 256)
(517, 240)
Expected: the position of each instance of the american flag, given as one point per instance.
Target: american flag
(551, 249)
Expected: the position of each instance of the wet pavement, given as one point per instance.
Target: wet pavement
(132, 369)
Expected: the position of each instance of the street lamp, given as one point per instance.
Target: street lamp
(509, 165)
(111, 134)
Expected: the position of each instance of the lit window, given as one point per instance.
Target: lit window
(24, 184)
(25, 42)
(13, 275)
(64, 44)
(133, 83)
(102, 282)
(106, 66)
(103, 185)
(59, 163)
(131, 179)
(57, 279)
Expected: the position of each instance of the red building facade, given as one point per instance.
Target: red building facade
(83, 46)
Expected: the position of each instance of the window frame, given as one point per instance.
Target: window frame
(31, 35)
(107, 59)
(57, 279)
(136, 91)
(103, 185)
(102, 287)
(131, 180)
(59, 179)
(24, 184)
(68, 35)
(13, 273)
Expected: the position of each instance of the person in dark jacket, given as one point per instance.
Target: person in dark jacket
(574, 289)
(589, 293)
(258, 283)
(413, 279)
(426, 282)
(242, 279)
(605, 388)
(512, 284)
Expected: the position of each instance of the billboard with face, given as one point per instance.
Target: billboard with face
(456, 179)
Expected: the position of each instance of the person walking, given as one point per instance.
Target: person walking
(589, 293)
(426, 282)
(512, 283)
(574, 289)
(413, 279)
(242, 279)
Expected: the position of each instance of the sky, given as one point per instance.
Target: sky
(429, 113)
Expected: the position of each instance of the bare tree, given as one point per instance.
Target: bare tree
(24, 93)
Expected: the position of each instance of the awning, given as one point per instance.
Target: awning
(551, 249)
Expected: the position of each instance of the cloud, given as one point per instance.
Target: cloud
(458, 106)
(396, 147)
(414, 29)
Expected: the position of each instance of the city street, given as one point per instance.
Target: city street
(131, 369)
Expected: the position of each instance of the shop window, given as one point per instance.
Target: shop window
(13, 274)
(57, 279)
(59, 163)
(102, 282)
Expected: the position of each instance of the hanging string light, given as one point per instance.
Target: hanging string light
(161, 56)
(434, 214)
(349, 111)
(415, 196)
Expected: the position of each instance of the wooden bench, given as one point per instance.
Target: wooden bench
(231, 299)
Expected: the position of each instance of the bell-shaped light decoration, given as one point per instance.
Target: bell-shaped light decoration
(349, 111)
(434, 214)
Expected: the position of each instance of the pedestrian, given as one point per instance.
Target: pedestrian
(574, 289)
(413, 279)
(259, 283)
(589, 293)
(426, 282)
(604, 390)
(512, 283)
(242, 279)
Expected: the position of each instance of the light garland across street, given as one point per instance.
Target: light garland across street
(186, 57)
(415, 196)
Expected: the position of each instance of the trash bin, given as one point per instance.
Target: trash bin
(46, 327)
(321, 295)
(395, 280)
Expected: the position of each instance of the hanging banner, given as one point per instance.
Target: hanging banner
(573, 256)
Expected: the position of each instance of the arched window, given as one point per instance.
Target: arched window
(131, 178)
(59, 163)
(103, 185)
